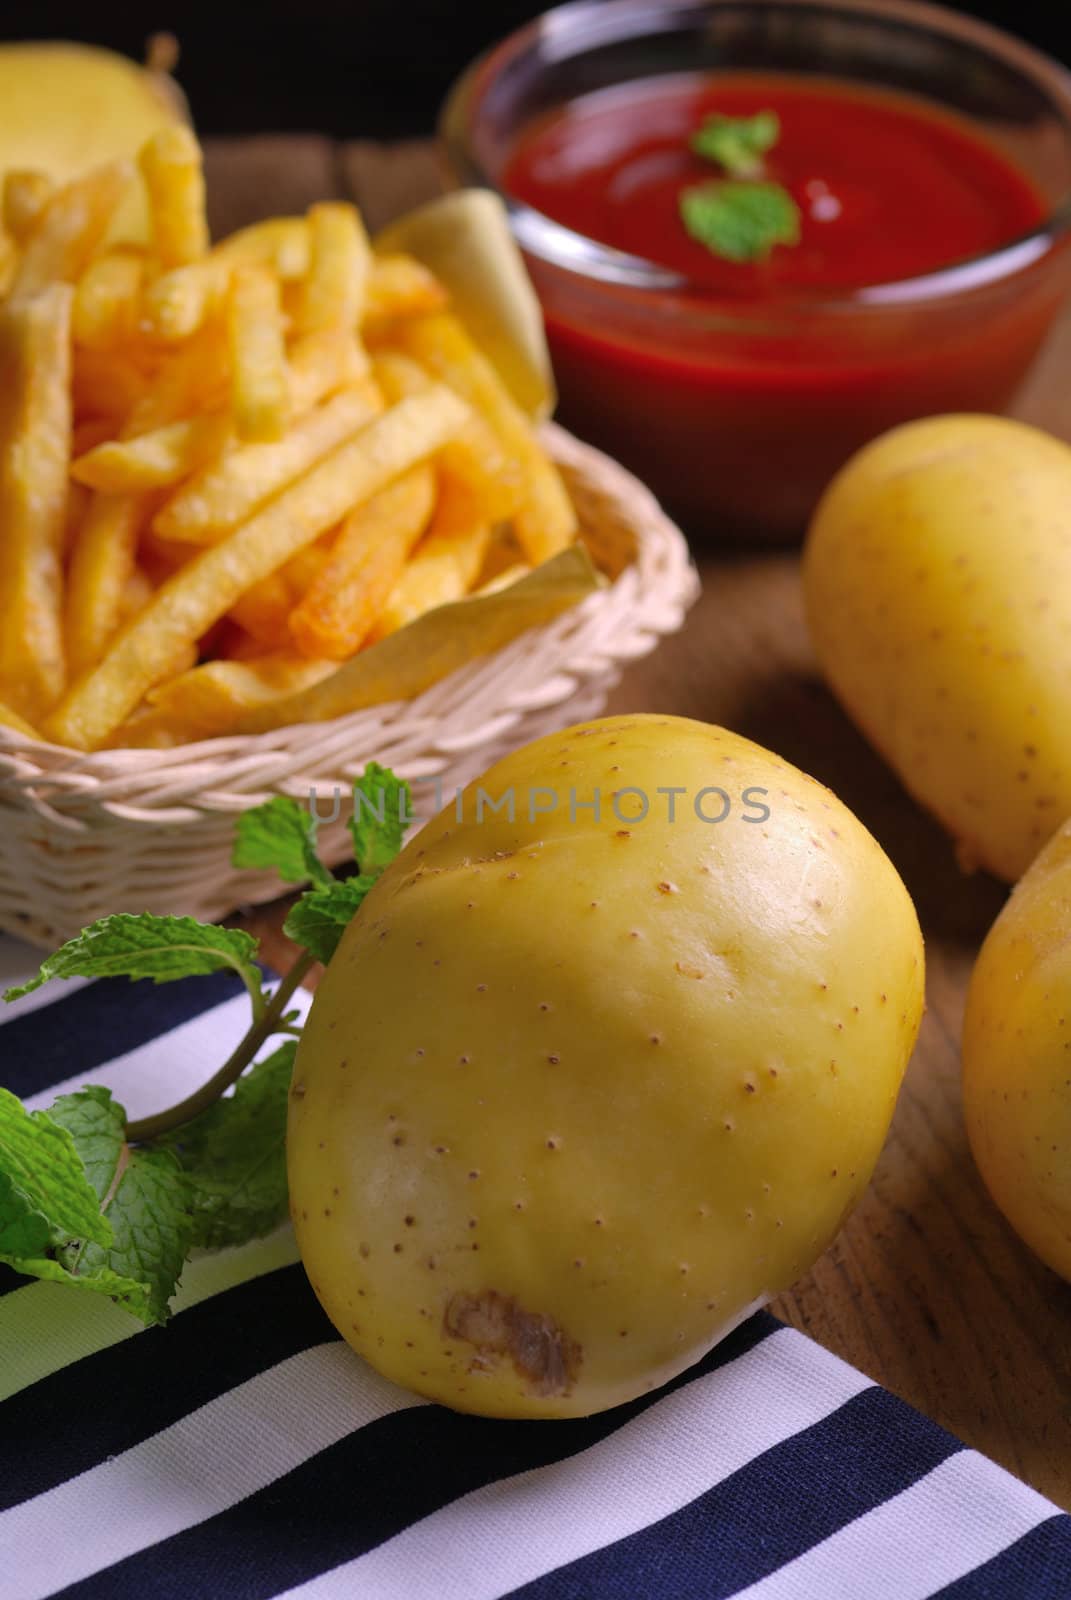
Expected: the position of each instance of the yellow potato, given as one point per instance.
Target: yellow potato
(1017, 1057)
(579, 1091)
(937, 579)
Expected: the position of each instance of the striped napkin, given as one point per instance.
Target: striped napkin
(244, 1451)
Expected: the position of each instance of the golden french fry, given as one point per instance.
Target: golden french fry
(107, 300)
(153, 460)
(209, 699)
(222, 496)
(35, 443)
(69, 228)
(340, 605)
(174, 177)
(446, 563)
(181, 300)
(78, 498)
(102, 561)
(9, 263)
(26, 194)
(339, 265)
(476, 457)
(400, 286)
(264, 610)
(11, 720)
(414, 658)
(260, 388)
(209, 585)
(106, 385)
(322, 362)
(545, 520)
(194, 377)
(137, 592)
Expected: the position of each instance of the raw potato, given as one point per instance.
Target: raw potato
(576, 1095)
(937, 578)
(1017, 1057)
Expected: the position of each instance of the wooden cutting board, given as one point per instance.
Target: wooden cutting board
(927, 1290)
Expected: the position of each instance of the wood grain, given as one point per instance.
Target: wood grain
(926, 1290)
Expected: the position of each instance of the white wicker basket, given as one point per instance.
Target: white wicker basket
(137, 830)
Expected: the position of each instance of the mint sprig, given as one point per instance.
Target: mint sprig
(93, 1201)
(145, 946)
(740, 221)
(738, 143)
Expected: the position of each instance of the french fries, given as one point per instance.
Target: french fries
(445, 566)
(260, 395)
(545, 519)
(339, 262)
(35, 443)
(101, 563)
(152, 460)
(207, 588)
(221, 496)
(344, 599)
(171, 166)
(231, 473)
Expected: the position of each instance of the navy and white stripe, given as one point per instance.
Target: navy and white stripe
(244, 1451)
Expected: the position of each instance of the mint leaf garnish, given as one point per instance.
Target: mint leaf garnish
(78, 1207)
(738, 143)
(320, 918)
(145, 1201)
(145, 946)
(740, 221)
(381, 813)
(234, 1156)
(46, 1198)
(280, 834)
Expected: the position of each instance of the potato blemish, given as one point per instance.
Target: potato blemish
(543, 1355)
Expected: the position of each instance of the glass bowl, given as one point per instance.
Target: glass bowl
(737, 414)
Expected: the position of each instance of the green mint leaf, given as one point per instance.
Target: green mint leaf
(49, 1206)
(150, 1210)
(234, 1156)
(280, 834)
(46, 1197)
(740, 221)
(382, 810)
(320, 918)
(134, 1224)
(738, 143)
(145, 946)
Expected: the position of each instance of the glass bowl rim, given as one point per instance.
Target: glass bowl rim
(576, 253)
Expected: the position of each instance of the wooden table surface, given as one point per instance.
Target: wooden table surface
(926, 1290)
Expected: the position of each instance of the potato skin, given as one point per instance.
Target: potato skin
(1017, 1057)
(575, 1096)
(937, 581)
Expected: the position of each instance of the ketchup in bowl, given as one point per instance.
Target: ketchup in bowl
(739, 389)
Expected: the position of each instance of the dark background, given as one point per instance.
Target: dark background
(367, 67)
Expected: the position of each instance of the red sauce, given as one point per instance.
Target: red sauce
(887, 188)
(747, 423)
